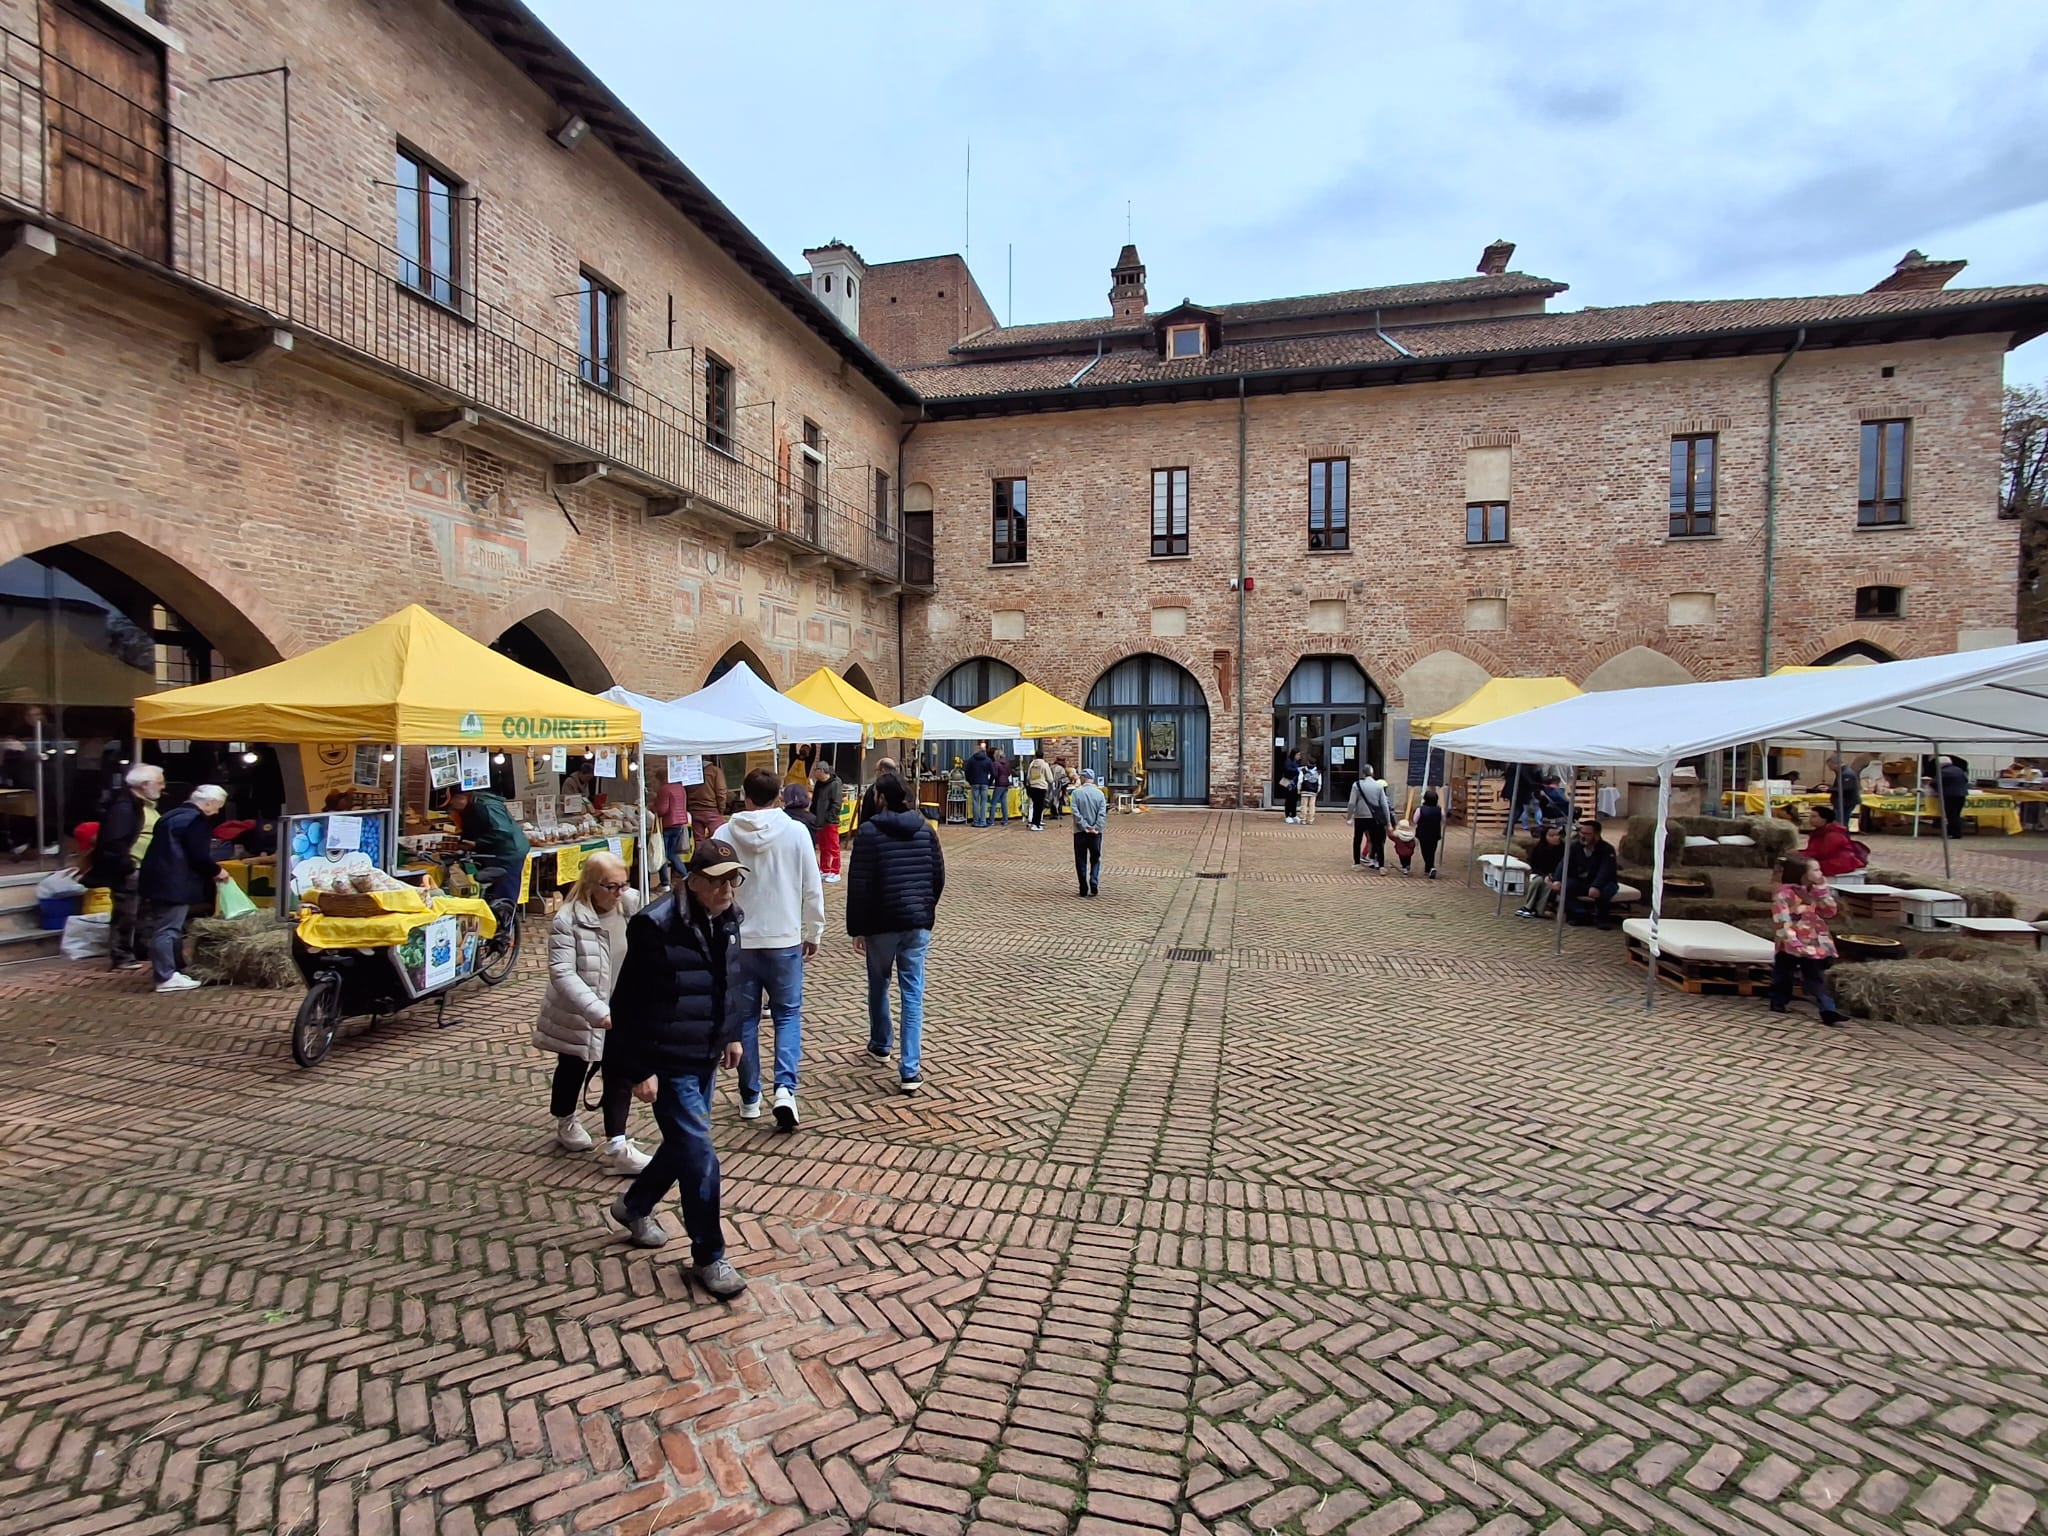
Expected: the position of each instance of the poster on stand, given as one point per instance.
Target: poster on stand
(560, 762)
(369, 769)
(321, 846)
(476, 768)
(444, 767)
(605, 763)
(690, 772)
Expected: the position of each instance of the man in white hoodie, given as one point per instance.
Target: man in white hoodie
(781, 922)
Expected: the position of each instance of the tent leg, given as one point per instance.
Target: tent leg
(397, 802)
(1657, 884)
(640, 842)
(1507, 845)
(1919, 789)
(1564, 868)
(1946, 855)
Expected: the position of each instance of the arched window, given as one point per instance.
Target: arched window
(1159, 720)
(1330, 709)
(973, 683)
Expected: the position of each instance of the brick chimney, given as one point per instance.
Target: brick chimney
(1494, 259)
(1916, 274)
(1127, 286)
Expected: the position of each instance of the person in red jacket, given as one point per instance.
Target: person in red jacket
(1829, 844)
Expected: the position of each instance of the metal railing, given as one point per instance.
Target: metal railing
(78, 154)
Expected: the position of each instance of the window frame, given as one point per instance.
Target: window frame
(1175, 332)
(594, 295)
(1685, 521)
(811, 477)
(1170, 543)
(719, 378)
(416, 273)
(885, 519)
(1485, 509)
(1871, 510)
(1335, 534)
(1873, 613)
(1010, 520)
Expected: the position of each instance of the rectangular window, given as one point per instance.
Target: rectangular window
(1184, 341)
(1486, 522)
(718, 403)
(597, 331)
(1881, 488)
(813, 455)
(1169, 511)
(885, 514)
(1329, 503)
(429, 254)
(1692, 486)
(1010, 498)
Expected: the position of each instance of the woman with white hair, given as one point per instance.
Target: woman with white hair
(128, 818)
(586, 946)
(178, 874)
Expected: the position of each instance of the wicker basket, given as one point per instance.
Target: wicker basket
(1867, 946)
(354, 904)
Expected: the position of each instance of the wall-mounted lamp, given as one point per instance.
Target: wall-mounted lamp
(572, 132)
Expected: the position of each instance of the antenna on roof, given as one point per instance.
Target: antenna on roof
(967, 212)
(1127, 221)
(1010, 303)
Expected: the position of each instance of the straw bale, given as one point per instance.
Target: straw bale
(251, 951)
(1939, 992)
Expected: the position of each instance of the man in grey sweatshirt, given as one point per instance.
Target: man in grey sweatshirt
(1091, 814)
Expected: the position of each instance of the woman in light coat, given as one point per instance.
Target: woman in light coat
(586, 946)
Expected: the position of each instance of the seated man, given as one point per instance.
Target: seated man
(489, 829)
(1592, 879)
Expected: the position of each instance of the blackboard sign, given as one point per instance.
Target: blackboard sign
(1421, 760)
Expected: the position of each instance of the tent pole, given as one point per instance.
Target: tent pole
(1507, 846)
(397, 800)
(1919, 789)
(640, 843)
(1564, 869)
(1657, 883)
(1946, 872)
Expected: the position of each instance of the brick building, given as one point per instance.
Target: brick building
(468, 336)
(1429, 484)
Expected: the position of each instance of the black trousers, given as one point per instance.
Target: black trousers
(128, 929)
(1952, 817)
(1587, 904)
(1291, 799)
(1359, 830)
(565, 1095)
(1812, 976)
(1088, 860)
(1037, 806)
(1428, 845)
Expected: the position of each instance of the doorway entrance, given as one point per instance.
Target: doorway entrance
(1159, 722)
(1329, 709)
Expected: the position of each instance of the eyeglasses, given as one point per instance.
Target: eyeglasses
(614, 886)
(732, 879)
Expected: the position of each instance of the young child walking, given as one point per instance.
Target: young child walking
(1404, 844)
(1429, 831)
(1800, 911)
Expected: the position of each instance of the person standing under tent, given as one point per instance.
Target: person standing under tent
(178, 873)
(892, 901)
(780, 928)
(1800, 910)
(1952, 782)
(128, 820)
(1038, 786)
(1062, 786)
(999, 784)
(672, 807)
(1091, 818)
(981, 774)
(1848, 792)
(707, 802)
(675, 1022)
(1429, 831)
(586, 946)
(828, 802)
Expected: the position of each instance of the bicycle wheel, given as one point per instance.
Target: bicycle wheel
(318, 1020)
(501, 951)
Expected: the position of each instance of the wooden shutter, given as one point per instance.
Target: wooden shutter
(103, 88)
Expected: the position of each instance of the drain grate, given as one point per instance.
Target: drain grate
(1196, 955)
(1211, 874)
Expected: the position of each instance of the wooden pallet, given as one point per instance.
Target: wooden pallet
(1700, 977)
(1870, 906)
(1481, 801)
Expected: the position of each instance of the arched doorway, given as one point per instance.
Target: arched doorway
(1159, 717)
(1330, 709)
(733, 658)
(1857, 653)
(548, 644)
(80, 639)
(969, 685)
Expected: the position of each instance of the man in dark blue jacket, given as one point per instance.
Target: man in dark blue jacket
(179, 873)
(892, 900)
(674, 1024)
(981, 779)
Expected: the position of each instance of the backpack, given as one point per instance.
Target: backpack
(1311, 780)
(1862, 852)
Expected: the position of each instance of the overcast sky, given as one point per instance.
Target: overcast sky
(1266, 149)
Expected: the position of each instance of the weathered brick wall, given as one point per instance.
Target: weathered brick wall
(911, 312)
(1587, 579)
(295, 496)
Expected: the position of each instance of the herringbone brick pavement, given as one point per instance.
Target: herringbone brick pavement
(1293, 1200)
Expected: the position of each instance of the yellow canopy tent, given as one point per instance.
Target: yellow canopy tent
(1496, 699)
(86, 677)
(411, 679)
(830, 694)
(1027, 710)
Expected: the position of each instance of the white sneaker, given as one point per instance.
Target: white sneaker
(750, 1109)
(178, 983)
(786, 1117)
(620, 1156)
(831, 879)
(570, 1135)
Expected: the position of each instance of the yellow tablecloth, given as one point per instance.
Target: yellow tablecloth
(1998, 813)
(323, 932)
(1753, 801)
(569, 859)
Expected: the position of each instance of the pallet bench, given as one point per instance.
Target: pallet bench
(1702, 957)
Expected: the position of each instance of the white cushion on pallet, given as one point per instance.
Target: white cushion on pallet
(1715, 943)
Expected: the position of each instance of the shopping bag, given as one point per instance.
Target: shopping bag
(232, 901)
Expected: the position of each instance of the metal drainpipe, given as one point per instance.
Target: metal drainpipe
(1241, 500)
(1771, 498)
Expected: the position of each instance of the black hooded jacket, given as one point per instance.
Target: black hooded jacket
(673, 1007)
(896, 877)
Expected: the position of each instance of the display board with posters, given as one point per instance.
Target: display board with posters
(325, 844)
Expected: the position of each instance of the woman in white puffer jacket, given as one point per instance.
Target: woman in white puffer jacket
(586, 946)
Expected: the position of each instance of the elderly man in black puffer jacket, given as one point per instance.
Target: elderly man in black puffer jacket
(892, 900)
(674, 1024)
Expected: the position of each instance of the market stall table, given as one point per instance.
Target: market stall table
(1987, 813)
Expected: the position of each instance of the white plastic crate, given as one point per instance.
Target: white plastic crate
(1926, 908)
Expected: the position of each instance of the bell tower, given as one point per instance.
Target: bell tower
(1127, 286)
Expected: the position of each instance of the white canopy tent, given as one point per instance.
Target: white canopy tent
(942, 722)
(678, 730)
(742, 696)
(1993, 700)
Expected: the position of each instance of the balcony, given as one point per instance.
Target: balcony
(112, 175)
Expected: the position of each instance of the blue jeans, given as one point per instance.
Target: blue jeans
(1001, 793)
(166, 929)
(672, 847)
(978, 796)
(686, 1161)
(903, 952)
(778, 973)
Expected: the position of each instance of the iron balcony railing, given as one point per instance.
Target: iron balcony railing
(78, 154)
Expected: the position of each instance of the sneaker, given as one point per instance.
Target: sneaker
(644, 1231)
(750, 1109)
(1831, 1018)
(721, 1279)
(879, 1058)
(178, 983)
(1094, 890)
(570, 1135)
(829, 880)
(1780, 1008)
(131, 965)
(786, 1116)
(1292, 822)
(621, 1157)
(1523, 912)
(913, 1084)
(1432, 874)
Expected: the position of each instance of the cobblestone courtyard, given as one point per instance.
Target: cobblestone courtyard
(1293, 1200)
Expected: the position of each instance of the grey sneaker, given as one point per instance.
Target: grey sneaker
(786, 1116)
(721, 1279)
(645, 1231)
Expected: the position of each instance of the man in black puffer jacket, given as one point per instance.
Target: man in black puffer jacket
(673, 1026)
(892, 900)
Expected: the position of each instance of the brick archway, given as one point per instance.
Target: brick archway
(589, 668)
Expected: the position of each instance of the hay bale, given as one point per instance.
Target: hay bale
(1722, 857)
(1938, 992)
(251, 951)
(1717, 911)
(1763, 893)
(1639, 842)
